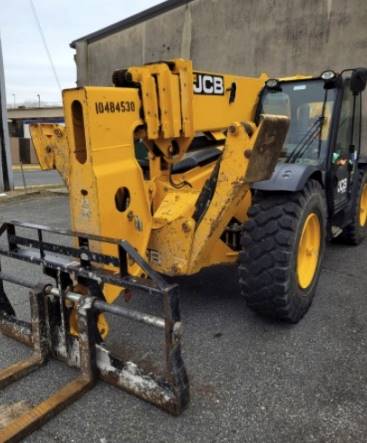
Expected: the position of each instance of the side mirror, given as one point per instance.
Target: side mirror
(358, 80)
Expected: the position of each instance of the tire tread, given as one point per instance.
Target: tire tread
(266, 257)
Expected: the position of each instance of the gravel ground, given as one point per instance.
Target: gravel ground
(251, 380)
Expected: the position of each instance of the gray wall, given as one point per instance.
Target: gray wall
(279, 37)
(247, 37)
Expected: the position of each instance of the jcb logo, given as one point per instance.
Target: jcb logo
(206, 84)
(342, 186)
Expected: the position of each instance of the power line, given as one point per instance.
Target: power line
(45, 43)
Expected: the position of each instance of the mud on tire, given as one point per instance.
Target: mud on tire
(268, 260)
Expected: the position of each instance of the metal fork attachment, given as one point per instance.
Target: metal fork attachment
(78, 291)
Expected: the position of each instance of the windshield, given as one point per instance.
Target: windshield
(310, 118)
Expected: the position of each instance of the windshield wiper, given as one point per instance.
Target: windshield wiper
(306, 140)
(310, 135)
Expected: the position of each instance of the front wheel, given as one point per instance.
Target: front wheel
(283, 246)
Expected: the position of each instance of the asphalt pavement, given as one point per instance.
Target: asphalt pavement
(252, 380)
(36, 178)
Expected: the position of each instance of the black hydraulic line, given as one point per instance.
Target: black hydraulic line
(177, 185)
(305, 141)
(301, 142)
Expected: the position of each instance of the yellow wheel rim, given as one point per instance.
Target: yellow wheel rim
(308, 250)
(363, 206)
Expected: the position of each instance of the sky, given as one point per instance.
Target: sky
(27, 68)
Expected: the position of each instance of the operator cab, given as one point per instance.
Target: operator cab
(324, 137)
(309, 107)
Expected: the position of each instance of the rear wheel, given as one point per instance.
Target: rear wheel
(283, 245)
(356, 232)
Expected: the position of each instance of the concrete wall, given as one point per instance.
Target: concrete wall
(247, 37)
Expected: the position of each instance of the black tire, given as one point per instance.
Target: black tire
(267, 270)
(355, 233)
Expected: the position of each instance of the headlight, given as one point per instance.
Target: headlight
(328, 75)
(272, 83)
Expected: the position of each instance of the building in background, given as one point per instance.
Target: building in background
(19, 120)
(246, 37)
(279, 37)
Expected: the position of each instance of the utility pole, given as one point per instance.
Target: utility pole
(39, 100)
(6, 171)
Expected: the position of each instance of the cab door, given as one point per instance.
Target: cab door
(345, 153)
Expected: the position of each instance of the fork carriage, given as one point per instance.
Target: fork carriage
(79, 280)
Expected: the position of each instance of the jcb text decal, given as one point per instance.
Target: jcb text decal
(207, 84)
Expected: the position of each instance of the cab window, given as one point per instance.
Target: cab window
(309, 107)
(345, 127)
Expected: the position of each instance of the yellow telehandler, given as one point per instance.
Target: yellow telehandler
(170, 171)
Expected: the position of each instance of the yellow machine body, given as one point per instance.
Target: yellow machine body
(175, 220)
